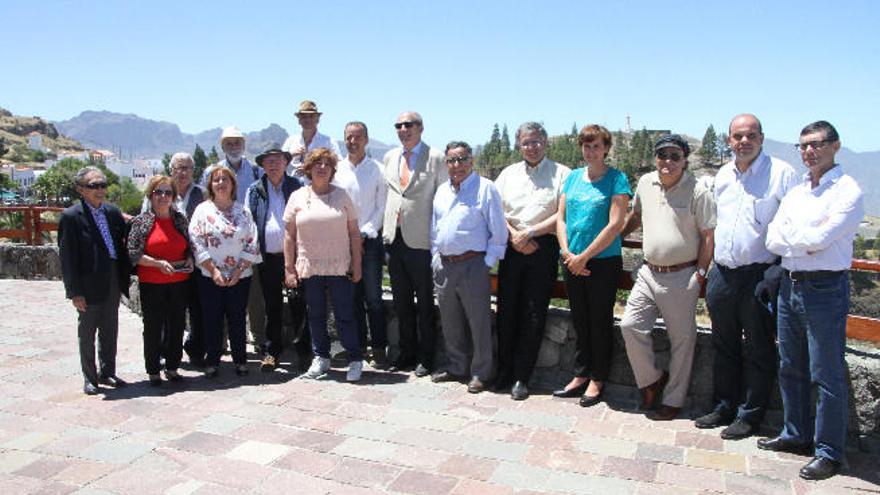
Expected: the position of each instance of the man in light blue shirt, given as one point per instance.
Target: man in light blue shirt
(747, 192)
(468, 236)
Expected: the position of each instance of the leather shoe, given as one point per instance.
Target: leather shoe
(519, 391)
(421, 370)
(572, 392)
(738, 430)
(90, 388)
(112, 381)
(713, 420)
(820, 468)
(652, 392)
(664, 413)
(779, 444)
(401, 364)
(475, 386)
(591, 400)
(443, 376)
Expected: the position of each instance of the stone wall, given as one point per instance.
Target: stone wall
(556, 358)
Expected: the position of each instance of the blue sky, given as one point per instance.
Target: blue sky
(463, 65)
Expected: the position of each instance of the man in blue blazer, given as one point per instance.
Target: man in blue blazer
(95, 270)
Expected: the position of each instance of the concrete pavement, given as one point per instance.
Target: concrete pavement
(391, 433)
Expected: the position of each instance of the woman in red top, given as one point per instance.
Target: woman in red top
(158, 244)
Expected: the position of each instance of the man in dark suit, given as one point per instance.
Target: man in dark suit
(95, 270)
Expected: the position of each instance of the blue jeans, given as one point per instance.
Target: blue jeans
(219, 303)
(341, 291)
(812, 340)
(368, 292)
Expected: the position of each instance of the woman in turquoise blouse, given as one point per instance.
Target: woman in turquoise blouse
(592, 207)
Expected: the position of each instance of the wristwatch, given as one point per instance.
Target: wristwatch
(701, 272)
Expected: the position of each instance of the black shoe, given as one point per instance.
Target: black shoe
(713, 420)
(475, 386)
(380, 359)
(241, 370)
(421, 370)
(519, 391)
(443, 376)
(777, 444)
(198, 362)
(155, 380)
(90, 388)
(738, 430)
(572, 392)
(112, 381)
(590, 401)
(820, 468)
(402, 364)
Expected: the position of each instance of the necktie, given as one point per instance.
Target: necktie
(404, 173)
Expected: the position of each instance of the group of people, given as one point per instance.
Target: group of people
(305, 221)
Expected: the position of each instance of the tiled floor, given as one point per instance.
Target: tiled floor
(391, 433)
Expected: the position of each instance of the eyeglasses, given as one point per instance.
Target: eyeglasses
(184, 168)
(534, 143)
(96, 185)
(163, 192)
(669, 155)
(457, 159)
(816, 145)
(405, 125)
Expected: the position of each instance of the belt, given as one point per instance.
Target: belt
(458, 258)
(752, 267)
(812, 275)
(670, 268)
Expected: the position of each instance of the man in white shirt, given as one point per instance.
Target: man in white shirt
(364, 180)
(299, 145)
(813, 231)
(747, 192)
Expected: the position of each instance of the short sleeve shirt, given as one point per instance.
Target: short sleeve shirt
(530, 195)
(587, 207)
(673, 219)
(322, 240)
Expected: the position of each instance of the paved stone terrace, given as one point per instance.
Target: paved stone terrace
(392, 433)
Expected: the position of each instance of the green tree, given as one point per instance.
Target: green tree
(709, 149)
(166, 163)
(57, 186)
(724, 151)
(200, 163)
(126, 196)
(213, 157)
(860, 247)
(7, 184)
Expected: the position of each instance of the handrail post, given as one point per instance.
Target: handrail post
(28, 231)
(38, 226)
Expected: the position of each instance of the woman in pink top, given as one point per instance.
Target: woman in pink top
(322, 251)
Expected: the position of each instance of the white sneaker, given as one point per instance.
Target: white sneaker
(355, 368)
(320, 366)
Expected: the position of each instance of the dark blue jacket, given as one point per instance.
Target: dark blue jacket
(258, 202)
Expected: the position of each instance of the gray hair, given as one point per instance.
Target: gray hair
(416, 116)
(178, 158)
(80, 178)
(459, 144)
(528, 127)
(357, 123)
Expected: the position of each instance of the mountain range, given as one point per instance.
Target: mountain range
(129, 135)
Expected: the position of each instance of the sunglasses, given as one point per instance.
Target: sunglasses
(96, 185)
(457, 159)
(163, 192)
(669, 155)
(405, 125)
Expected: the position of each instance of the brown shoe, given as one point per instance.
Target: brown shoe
(664, 413)
(269, 363)
(652, 392)
(475, 386)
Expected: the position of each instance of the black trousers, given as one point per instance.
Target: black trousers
(743, 337)
(592, 311)
(194, 345)
(164, 313)
(525, 284)
(410, 273)
(101, 318)
(272, 281)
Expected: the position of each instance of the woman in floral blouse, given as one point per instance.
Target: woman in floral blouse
(224, 239)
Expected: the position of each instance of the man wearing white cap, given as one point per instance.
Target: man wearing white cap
(232, 144)
(299, 145)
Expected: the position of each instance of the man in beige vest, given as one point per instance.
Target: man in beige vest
(413, 171)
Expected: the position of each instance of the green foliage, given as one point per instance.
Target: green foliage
(564, 149)
(57, 187)
(166, 163)
(633, 155)
(725, 153)
(860, 247)
(126, 196)
(496, 154)
(200, 163)
(21, 153)
(213, 157)
(7, 184)
(709, 149)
